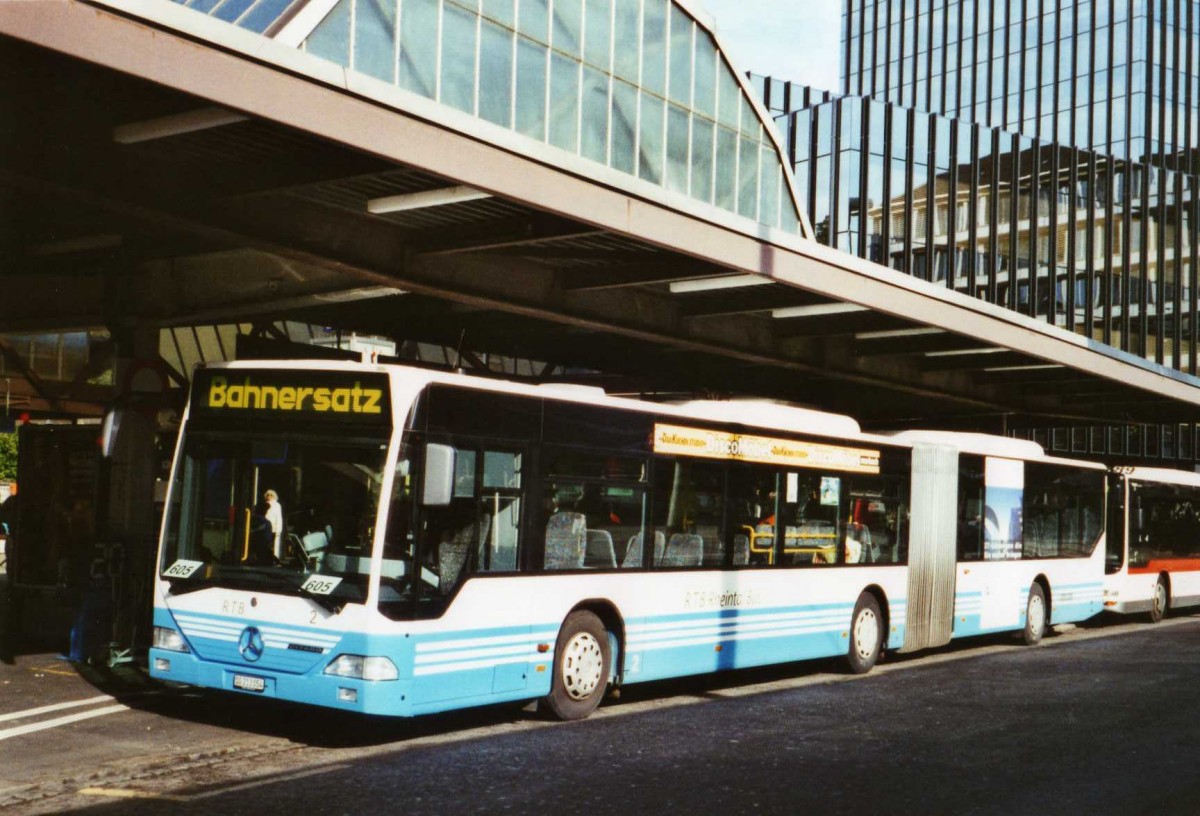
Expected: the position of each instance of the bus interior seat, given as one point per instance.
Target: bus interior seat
(314, 545)
(600, 552)
(633, 550)
(454, 551)
(684, 550)
(566, 540)
(766, 531)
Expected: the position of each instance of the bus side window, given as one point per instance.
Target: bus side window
(689, 510)
(971, 511)
(1062, 510)
(479, 530)
(871, 529)
(593, 508)
(500, 511)
(753, 490)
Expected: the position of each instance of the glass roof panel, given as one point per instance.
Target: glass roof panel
(654, 96)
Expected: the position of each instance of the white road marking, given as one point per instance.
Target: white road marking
(129, 793)
(46, 709)
(56, 722)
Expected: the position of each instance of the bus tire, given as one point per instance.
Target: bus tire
(1035, 615)
(866, 635)
(1160, 601)
(582, 656)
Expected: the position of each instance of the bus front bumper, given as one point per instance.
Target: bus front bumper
(382, 697)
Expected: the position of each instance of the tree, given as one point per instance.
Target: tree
(8, 456)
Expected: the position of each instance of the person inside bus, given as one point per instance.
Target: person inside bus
(273, 513)
(765, 507)
(598, 512)
(259, 549)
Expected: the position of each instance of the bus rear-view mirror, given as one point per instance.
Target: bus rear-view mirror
(439, 475)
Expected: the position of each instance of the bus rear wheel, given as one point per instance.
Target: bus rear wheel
(1160, 602)
(582, 656)
(1035, 615)
(866, 634)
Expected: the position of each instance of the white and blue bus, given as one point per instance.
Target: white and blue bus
(449, 541)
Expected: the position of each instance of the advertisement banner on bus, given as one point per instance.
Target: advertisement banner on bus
(709, 444)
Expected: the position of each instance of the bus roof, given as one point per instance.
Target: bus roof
(773, 414)
(989, 445)
(753, 413)
(985, 444)
(1162, 475)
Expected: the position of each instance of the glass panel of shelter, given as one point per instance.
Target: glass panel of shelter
(438, 48)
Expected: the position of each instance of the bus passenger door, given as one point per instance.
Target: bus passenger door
(477, 532)
(990, 572)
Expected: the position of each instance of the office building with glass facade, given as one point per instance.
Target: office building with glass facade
(1069, 236)
(1121, 77)
(1034, 155)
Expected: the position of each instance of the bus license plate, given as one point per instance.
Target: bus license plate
(247, 683)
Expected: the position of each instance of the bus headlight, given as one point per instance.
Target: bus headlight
(169, 639)
(363, 668)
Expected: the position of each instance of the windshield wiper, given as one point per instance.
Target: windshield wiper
(182, 586)
(323, 601)
(253, 578)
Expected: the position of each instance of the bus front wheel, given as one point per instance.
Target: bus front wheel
(1035, 615)
(866, 634)
(1160, 602)
(582, 656)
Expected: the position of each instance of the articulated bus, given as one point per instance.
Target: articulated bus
(1153, 544)
(438, 541)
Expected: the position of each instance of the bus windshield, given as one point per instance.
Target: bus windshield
(288, 515)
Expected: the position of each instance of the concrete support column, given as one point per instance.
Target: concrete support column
(133, 454)
(127, 517)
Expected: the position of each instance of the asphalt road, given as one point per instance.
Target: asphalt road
(1099, 720)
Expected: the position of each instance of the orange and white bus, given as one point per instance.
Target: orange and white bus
(1153, 554)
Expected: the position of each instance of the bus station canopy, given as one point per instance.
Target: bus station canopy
(169, 164)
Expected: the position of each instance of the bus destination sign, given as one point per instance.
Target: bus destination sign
(708, 444)
(355, 396)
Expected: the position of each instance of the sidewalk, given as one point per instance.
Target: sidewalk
(33, 674)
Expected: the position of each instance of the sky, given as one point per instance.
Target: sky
(795, 40)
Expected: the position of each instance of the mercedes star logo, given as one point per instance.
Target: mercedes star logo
(250, 644)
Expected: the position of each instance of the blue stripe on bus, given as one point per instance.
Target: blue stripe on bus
(1069, 603)
(445, 670)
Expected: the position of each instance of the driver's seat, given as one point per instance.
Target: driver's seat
(314, 545)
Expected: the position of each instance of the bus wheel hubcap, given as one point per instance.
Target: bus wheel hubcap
(582, 665)
(866, 633)
(1037, 615)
